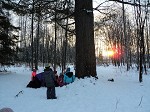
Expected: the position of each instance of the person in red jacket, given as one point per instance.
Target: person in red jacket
(33, 74)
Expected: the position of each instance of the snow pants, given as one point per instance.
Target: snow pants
(51, 92)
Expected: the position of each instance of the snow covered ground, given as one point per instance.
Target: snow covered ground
(125, 94)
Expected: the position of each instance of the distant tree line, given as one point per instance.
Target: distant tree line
(127, 33)
(62, 31)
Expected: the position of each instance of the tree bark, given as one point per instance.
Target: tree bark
(85, 48)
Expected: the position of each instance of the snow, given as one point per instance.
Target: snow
(125, 94)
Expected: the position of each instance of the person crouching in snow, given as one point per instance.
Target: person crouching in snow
(33, 74)
(68, 77)
(50, 79)
(60, 80)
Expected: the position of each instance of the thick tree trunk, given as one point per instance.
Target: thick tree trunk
(85, 48)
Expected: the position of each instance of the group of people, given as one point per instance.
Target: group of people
(50, 79)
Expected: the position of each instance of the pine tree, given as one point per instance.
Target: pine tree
(8, 40)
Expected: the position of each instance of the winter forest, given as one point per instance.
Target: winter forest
(105, 44)
(35, 32)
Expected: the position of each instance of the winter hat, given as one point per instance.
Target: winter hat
(55, 72)
(68, 69)
(47, 65)
(6, 110)
(34, 70)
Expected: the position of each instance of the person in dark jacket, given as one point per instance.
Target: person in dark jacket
(50, 79)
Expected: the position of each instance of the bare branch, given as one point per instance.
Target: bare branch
(128, 3)
(99, 5)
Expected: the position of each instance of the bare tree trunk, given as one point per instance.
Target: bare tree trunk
(65, 43)
(138, 54)
(32, 46)
(148, 54)
(126, 38)
(43, 37)
(62, 53)
(141, 54)
(147, 42)
(37, 44)
(55, 37)
(85, 48)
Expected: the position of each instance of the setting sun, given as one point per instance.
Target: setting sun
(108, 53)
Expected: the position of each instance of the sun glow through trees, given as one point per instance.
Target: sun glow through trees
(114, 53)
(108, 53)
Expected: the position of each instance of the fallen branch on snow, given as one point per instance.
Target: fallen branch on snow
(20, 92)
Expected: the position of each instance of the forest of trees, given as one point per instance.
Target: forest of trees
(128, 33)
(62, 31)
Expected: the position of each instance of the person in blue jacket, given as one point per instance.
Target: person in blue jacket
(68, 76)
